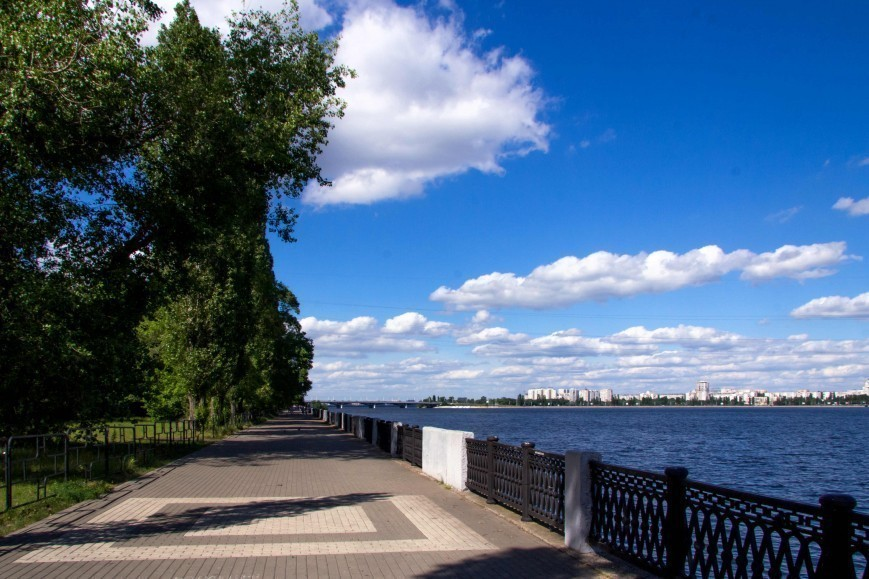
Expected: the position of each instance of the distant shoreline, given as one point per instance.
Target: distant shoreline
(663, 407)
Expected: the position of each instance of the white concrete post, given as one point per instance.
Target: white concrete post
(577, 498)
(444, 455)
(393, 443)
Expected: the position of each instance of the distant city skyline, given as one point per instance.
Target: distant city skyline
(702, 392)
(587, 195)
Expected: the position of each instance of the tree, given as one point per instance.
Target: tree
(68, 86)
(132, 178)
(264, 129)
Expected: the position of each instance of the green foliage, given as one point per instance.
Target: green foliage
(67, 87)
(60, 496)
(138, 186)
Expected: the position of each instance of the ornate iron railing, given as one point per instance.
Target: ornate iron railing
(507, 470)
(411, 447)
(478, 466)
(546, 488)
(675, 527)
(384, 435)
(665, 523)
(628, 514)
(859, 547)
(368, 429)
(519, 477)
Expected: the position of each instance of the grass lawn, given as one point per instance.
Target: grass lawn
(61, 495)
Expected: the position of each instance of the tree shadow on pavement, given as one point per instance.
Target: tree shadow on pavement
(177, 517)
(281, 439)
(540, 562)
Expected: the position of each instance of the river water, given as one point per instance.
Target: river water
(796, 453)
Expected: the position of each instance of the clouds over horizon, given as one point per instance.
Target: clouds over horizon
(427, 104)
(835, 307)
(665, 359)
(602, 275)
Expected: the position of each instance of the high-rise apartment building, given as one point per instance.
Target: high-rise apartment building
(702, 391)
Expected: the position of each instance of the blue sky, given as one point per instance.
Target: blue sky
(592, 194)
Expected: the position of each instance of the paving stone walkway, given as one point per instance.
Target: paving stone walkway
(291, 498)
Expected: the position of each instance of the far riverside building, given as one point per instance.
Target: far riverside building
(701, 393)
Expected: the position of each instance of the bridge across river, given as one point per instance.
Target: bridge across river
(381, 403)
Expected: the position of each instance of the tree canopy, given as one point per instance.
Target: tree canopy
(138, 188)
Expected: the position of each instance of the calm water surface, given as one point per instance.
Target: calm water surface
(794, 453)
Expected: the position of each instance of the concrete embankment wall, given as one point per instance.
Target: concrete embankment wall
(445, 456)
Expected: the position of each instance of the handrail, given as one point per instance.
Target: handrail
(526, 480)
(666, 523)
(676, 527)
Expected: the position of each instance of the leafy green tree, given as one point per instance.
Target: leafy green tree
(138, 186)
(68, 86)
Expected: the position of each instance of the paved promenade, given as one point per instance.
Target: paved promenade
(290, 498)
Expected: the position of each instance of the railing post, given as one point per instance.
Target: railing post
(106, 439)
(65, 457)
(393, 440)
(836, 560)
(490, 469)
(676, 540)
(8, 472)
(527, 448)
(578, 498)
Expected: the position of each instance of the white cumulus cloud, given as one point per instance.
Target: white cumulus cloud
(465, 374)
(689, 337)
(426, 104)
(603, 275)
(853, 208)
(360, 336)
(490, 335)
(835, 307)
(795, 261)
(564, 344)
(414, 323)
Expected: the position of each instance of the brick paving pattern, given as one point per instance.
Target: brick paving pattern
(291, 498)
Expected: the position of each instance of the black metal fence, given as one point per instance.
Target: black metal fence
(679, 528)
(411, 445)
(30, 462)
(664, 523)
(373, 430)
(368, 429)
(519, 477)
(384, 435)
